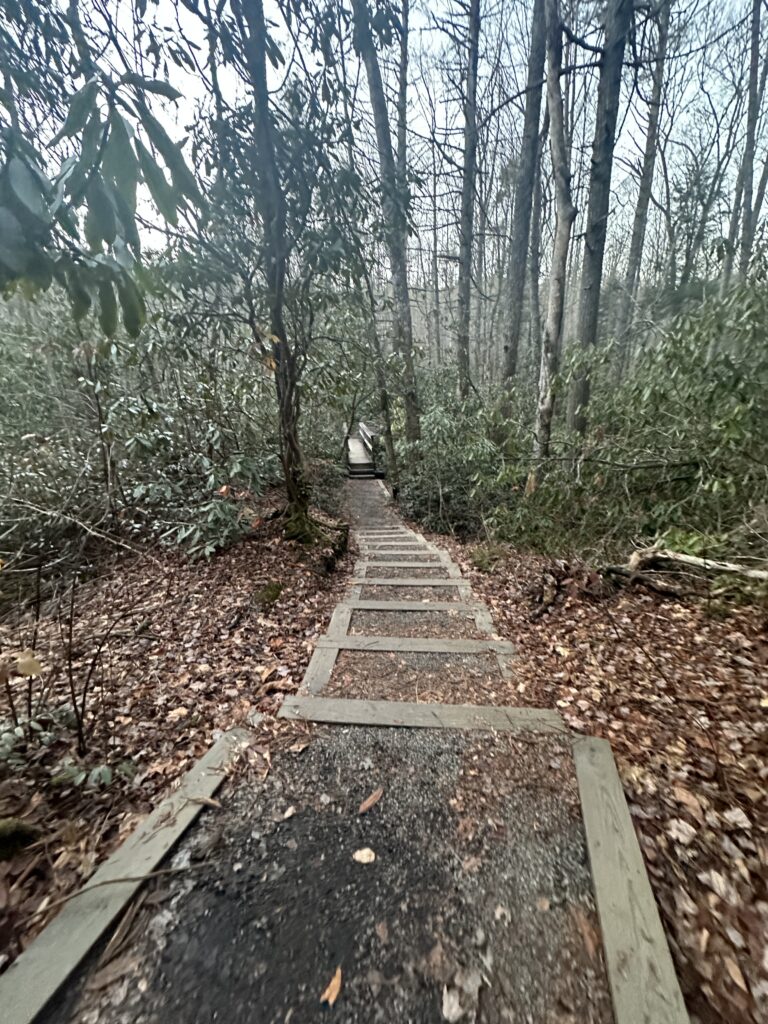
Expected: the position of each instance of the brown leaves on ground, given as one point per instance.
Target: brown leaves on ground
(371, 801)
(331, 994)
(680, 692)
(198, 647)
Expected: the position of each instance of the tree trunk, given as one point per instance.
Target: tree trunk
(271, 203)
(466, 223)
(565, 216)
(618, 17)
(524, 190)
(535, 249)
(637, 242)
(395, 215)
(435, 267)
(748, 225)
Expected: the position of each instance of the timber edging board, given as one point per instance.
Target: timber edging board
(343, 711)
(35, 977)
(644, 986)
(431, 645)
(409, 581)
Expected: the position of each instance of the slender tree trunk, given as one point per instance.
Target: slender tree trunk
(618, 18)
(733, 231)
(466, 223)
(748, 225)
(395, 215)
(524, 189)
(272, 209)
(565, 216)
(535, 248)
(435, 266)
(637, 242)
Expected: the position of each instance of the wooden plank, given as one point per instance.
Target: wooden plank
(319, 669)
(429, 645)
(339, 624)
(397, 545)
(644, 985)
(462, 607)
(343, 711)
(436, 564)
(409, 581)
(39, 972)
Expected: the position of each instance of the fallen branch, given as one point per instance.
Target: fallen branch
(645, 580)
(649, 557)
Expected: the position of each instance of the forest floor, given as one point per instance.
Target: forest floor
(677, 688)
(177, 651)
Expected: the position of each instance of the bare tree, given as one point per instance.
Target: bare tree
(617, 21)
(748, 224)
(466, 221)
(640, 222)
(565, 216)
(524, 189)
(394, 212)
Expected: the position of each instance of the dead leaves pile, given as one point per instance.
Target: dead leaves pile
(682, 697)
(195, 652)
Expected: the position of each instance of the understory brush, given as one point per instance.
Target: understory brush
(676, 453)
(170, 438)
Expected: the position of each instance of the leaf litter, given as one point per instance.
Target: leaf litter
(678, 688)
(196, 652)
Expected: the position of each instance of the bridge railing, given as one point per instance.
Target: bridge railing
(370, 440)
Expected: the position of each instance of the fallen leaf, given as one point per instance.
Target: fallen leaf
(588, 931)
(371, 801)
(177, 714)
(331, 994)
(451, 1008)
(691, 801)
(736, 817)
(681, 831)
(364, 856)
(28, 665)
(735, 972)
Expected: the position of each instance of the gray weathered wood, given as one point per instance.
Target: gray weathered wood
(41, 969)
(373, 564)
(319, 669)
(399, 545)
(425, 716)
(435, 645)
(339, 624)
(408, 581)
(643, 982)
(461, 607)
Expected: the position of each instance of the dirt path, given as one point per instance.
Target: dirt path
(394, 873)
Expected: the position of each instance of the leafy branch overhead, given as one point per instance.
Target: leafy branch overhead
(76, 151)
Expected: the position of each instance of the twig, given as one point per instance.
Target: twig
(116, 881)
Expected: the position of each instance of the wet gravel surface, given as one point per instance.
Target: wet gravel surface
(448, 625)
(415, 593)
(419, 676)
(477, 907)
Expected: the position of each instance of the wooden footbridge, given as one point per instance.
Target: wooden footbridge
(364, 453)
